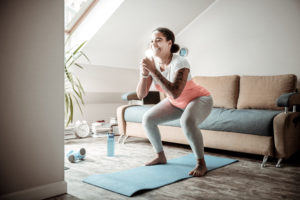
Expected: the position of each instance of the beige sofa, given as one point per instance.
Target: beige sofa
(236, 98)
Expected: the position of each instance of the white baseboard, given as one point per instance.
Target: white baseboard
(40, 192)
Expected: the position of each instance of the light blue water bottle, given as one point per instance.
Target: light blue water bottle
(110, 144)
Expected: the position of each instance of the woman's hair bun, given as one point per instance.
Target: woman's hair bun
(169, 36)
(175, 48)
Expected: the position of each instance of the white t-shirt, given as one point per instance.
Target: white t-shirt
(191, 89)
(176, 63)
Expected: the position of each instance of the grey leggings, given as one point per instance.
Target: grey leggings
(190, 117)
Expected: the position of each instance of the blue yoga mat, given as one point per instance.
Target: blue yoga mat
(133, 180)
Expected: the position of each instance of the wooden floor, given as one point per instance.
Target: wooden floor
(242, 180)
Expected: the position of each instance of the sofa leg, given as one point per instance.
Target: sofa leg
(263, 164)
(125, 138)
(279, 162)
(120, 138)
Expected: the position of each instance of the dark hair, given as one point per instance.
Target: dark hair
(169, 36)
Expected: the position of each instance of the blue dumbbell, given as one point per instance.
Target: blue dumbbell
(75, 156)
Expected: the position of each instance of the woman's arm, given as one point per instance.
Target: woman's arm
(172, 89)
(143, 87)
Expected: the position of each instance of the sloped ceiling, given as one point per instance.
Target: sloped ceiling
(122, 40)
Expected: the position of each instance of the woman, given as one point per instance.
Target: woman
(185, 100)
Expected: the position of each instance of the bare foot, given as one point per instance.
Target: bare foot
(200, 169)
(160, 159)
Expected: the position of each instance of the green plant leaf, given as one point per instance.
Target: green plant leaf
(71, 111)
(70, 77)
(78, 105)
(80, 46)
(73, 87)
(69, 58)
(79, 95)
(74, 60)
(80, 86)
(85, 55)
(67, 103)
(77, 53)
(78, 65)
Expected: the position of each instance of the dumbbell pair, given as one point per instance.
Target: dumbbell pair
(76, 156)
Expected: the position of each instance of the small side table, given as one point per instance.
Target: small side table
(101, 131)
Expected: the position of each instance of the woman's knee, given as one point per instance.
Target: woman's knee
(188, 122)
(148, 118)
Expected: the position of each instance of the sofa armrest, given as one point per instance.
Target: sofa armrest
(121, 120)
(153, 97)
(286, 134)
(289, 99)
(129, 96)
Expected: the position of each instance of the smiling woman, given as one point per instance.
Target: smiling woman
(185, 100)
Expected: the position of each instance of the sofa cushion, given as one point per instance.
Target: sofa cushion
(261, 92)
(250, 121)
(224, 89)
(256, 122)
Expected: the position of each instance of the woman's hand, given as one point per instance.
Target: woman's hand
(148, 64)
(145, 82)
(143, 70)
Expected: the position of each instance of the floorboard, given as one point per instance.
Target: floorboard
(242, 180)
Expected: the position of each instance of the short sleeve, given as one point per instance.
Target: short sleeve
(181, 63)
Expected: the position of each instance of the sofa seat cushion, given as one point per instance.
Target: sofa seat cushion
(248, 121)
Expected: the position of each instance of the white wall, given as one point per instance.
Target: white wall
(96, 17)
(257, 37)
(245, 37)
(32, 97)
(96, 78)
(123, 38)
(104, 86)
(117, 47)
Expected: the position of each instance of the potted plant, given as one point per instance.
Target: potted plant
(73, 89)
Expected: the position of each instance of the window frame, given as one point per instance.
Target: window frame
(87, 10)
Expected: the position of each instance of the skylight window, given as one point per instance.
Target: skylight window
(75, 12)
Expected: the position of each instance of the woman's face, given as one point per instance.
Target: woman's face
(159, 44)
